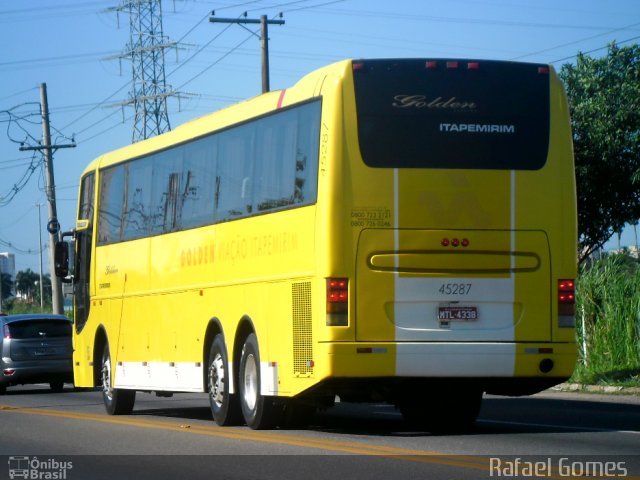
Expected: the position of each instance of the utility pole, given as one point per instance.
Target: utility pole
(53, 226)
(40, 245)
(264, 38)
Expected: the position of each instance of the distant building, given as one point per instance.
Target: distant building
(8, 265)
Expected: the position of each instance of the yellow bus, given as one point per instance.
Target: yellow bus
(384, 230)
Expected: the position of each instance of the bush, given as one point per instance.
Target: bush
(608, 314)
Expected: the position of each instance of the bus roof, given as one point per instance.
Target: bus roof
(261, 104)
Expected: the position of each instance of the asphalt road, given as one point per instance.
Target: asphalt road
(556, 435)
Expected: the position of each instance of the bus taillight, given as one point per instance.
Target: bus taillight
(566, 297)
(337, 301)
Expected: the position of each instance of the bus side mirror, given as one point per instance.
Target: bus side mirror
(61, 259)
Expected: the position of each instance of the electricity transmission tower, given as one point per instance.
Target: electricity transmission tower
(145, 50)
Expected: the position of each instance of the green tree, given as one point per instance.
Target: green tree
(26, 284)
(604, 100)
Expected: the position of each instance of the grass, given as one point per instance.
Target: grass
(608, 314)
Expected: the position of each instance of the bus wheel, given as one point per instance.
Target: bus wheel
(258, 410)
(116, 400)
(442, 412)
(224, 406)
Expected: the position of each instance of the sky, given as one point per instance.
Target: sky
(74, 46)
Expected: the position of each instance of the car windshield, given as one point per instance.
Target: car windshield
(39, 329)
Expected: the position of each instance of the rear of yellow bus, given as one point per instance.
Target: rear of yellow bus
(454, 258)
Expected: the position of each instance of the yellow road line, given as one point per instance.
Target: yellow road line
(266, 437)
(241, 433)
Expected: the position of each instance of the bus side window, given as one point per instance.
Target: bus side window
(235, 164)
(198, 187)
(111, 204)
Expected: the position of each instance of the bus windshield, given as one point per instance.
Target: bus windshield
(455, 114)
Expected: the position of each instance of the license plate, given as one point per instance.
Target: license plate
(457, 313)
(42, 352)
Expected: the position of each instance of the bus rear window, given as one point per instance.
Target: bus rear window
(455, 114)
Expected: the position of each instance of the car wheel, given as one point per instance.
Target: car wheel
(258, 410)
(116, 400)
(224, 406)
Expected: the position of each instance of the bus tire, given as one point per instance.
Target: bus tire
(224, 406)
(259, 411)
(116, 400)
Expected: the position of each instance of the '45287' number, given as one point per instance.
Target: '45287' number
(455, 289)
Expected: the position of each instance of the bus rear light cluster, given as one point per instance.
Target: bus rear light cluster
(337, 301)
(454, 242)
(451, 65)
(566, 297)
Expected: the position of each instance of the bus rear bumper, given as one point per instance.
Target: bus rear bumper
(451, 360)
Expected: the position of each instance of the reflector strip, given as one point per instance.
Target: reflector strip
(281, 98)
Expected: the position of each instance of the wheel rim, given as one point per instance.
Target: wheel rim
(250, 394)
(216, 380)
(107, 391)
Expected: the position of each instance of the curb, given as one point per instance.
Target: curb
(611, 389)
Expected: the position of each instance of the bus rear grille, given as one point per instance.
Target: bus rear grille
(302, 337)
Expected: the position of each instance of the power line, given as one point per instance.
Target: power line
(594, 50)
(7, 197)
(146, 47)
(577, 41)
(31, 251)
(198, 51)
(264, 38)
(216, 62)
(97, 105)
(21, 92)
(33, 61)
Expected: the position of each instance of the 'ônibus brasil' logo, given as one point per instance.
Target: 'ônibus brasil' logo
(438, 103)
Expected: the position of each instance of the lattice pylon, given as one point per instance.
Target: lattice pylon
(146, 47)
